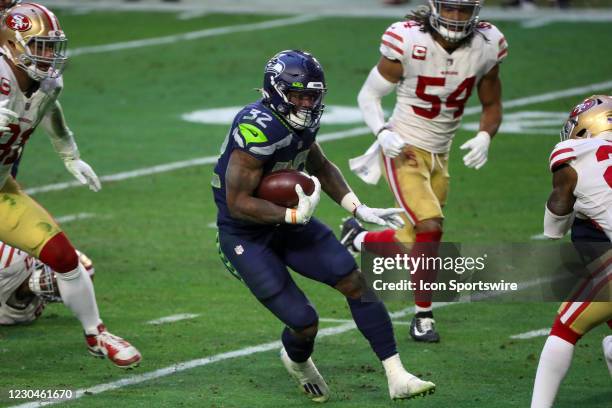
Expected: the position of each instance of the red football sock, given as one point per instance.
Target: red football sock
(426, 246)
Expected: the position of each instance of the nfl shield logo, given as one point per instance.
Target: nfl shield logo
(239, 250)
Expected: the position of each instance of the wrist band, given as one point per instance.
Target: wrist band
(350, 202)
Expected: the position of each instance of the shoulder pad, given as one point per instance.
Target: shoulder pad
(495, 38)
(563, 152)
(259, 131)
(395, 39)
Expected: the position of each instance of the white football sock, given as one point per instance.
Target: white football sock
(77, 293)
(555, 361)
(607, 347)
(393, 365)
(418, 309)
(358, 241)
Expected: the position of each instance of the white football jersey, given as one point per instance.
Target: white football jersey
(16, 267)
(30, 110)
(592, 160)
(436, 85)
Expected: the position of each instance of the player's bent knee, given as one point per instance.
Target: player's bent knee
(353, 285)
(59, 254)
(305, 321)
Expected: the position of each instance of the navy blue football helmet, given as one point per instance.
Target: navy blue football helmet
(295, 71)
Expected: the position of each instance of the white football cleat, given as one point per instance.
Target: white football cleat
(404, 385)
(607, 348)
(307, 375)
(117, 350)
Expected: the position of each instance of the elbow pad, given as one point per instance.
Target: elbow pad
(556, 226)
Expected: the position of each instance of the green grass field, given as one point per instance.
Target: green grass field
(154, 249)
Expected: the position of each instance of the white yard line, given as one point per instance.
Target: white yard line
(332, 320)
(200, 362)
(173, 318)
(327, 137)
(531, 334)
(74, 217)
(193, 35)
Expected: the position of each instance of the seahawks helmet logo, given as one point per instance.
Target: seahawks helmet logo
(275, 67)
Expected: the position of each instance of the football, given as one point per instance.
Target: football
(279, 187)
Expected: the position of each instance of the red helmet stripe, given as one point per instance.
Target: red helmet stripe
(50, 16)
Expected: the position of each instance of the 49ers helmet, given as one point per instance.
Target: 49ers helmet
(450, 29)
(31, 37)
(590, 118)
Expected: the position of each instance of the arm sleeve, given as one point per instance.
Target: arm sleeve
(556, 226)
(60, 135)
(369, 99)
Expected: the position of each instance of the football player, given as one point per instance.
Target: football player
(33, 57)
(432, 60)
(582, 190)
(27, 285)
(259, 240)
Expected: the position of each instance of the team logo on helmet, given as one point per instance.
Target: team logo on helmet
(18, 22)
(275, 67)
(583, 107)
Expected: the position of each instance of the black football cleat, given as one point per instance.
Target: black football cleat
(424, 329)
(350, 229)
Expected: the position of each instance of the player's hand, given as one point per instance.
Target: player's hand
(391, 143)
(6, 116)
(479, 150)
(306, 204)
(84, 173)
(388, 217)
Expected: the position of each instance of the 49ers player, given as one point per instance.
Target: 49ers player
(433, 60)
(581, 199)
(27, 285)
(33, 56)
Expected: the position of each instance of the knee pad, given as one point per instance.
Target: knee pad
(59, 254)
(303, 317)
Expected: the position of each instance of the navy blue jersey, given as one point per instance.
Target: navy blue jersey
(262, 133)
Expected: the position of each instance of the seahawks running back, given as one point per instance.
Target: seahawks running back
(259, 240)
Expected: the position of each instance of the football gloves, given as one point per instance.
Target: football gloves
(479, 150)
(387, 217)
(6, 116)
(83, 173)
(306, 204)
(391, 143)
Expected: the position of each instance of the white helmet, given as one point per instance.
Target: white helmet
(454, 30)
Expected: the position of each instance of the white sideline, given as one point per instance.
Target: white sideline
(173, 318)
(344, 134)
(531, 334)
(193, 35)
(187, 365)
